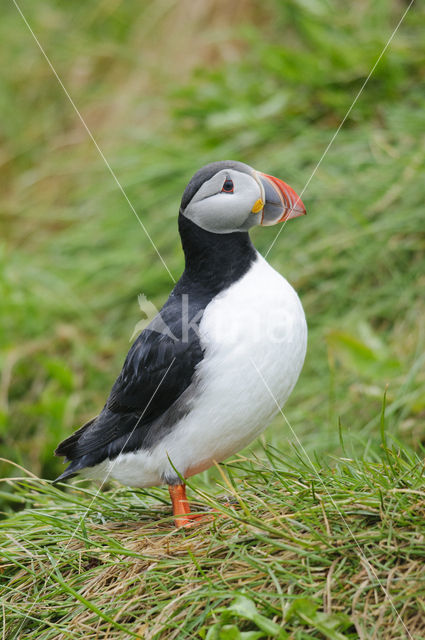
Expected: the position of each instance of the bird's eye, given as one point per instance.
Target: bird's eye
(227, 186)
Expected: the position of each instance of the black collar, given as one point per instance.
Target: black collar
(214, 261)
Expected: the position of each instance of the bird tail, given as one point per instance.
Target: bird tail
(68, 473)
(67, 449)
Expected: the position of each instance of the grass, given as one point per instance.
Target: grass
(308, 551)
(165, 89)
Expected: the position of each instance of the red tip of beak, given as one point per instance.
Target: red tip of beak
(292, 204)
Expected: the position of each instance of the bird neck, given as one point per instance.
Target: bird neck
(214, 260)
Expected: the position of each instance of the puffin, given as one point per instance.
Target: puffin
(219, 360)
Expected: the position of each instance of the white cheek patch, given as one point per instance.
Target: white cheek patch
(219, 212)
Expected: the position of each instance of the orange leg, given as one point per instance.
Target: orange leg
(181, 509)
(180, 504)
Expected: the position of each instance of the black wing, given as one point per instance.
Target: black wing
(158, 368)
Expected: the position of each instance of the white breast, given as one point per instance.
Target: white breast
(256, 324)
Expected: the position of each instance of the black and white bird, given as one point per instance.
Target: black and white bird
(206, 376)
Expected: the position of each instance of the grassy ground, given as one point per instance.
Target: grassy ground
(165, 88)
(307, 552)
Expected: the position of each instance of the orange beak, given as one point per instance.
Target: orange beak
(281, 201)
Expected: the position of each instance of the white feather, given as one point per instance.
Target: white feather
(257, 323)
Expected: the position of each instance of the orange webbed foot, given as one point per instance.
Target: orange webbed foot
(183, 517)
(181, 509)
(190, 520)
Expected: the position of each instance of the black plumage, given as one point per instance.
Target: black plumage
(147, 398)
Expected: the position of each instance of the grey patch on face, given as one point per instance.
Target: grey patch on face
(252, 221)
(225, 212)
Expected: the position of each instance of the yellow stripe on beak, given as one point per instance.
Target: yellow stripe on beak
(258, 206)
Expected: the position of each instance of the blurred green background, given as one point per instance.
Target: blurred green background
(166, 87)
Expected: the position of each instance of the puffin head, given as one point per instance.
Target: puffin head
(229, 196)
